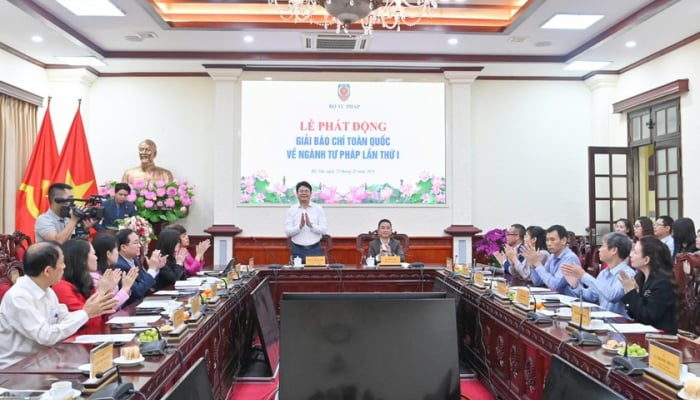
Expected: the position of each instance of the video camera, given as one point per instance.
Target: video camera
(93, 207)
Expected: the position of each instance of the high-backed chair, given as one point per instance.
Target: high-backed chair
(689, 287)
(12, 249)
(326, 244)
(15, 244)
(364, 239)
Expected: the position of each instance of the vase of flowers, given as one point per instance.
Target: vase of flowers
(491, 243)
(140, 226)
(158, 202)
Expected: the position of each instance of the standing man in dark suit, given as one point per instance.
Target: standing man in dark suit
(117, 208)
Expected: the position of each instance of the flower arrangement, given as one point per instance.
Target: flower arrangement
(429, 189)
(491, 243)
(157, 201)
(140, 226)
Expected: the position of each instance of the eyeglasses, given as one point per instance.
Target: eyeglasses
(659, 224)
(511, 234)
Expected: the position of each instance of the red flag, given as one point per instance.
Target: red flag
(32, 196)
(75, 165)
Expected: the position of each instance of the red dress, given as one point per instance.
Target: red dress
(69, 295)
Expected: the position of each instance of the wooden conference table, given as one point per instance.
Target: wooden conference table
(510, 356)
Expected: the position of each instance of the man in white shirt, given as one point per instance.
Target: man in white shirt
(663, 229)
(31, 317)
(305, 224)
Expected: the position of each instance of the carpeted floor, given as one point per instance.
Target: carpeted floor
(471, 389)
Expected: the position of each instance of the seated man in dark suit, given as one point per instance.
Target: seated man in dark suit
(117, 208)
(129, 252)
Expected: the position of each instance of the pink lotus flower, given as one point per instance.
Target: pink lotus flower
(170, 203)
(148, 204)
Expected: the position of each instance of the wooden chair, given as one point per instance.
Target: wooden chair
(363, 240)
(689, 287)
(15, 244)
(326, 244)
(591, 260)
(12, 249)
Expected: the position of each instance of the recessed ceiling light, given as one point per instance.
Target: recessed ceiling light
(630, 44)
(248, 38)
(92, 8)
(37, 39)
(452, 41)
(586, 65)
(268, 78)
(571, 21)
(89, 61)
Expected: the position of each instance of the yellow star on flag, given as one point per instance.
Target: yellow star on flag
(79, 190)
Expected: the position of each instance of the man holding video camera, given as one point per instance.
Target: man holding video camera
(59, 222)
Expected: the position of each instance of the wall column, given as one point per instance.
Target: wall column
(226, 135)
(603, 89)
(459, 153)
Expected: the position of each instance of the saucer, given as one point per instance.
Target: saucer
(84, 368)
(74, 394)
(122, 362)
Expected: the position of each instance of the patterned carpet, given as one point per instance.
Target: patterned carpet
(471, 389)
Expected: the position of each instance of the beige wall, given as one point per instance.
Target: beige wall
(529, 142)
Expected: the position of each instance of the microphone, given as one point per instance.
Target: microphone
(224, 292)
(533, 316)
(581, 337)
(335, 264)
(268, 253)
(628, 366)
(116, 390)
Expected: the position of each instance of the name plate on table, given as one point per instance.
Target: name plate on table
(389, 260)
(580, 314)
(101, 359)
(502, 288)
(522, 297)
(178, 318)
(315, 261)
(666, 360)
(479, 278)
(195, 304)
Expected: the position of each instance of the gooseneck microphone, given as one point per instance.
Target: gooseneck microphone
(627, 365)
(581, 337)
(268, 254)
(116, 390)
(535, 317)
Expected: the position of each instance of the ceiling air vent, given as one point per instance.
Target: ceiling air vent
(324, 42)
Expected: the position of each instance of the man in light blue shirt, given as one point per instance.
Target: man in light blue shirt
(550, 274)
(606, 289)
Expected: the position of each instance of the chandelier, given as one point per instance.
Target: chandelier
(391, 14)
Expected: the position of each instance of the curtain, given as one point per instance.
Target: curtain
(18, 132)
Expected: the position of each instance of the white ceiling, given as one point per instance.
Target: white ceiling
(670, 22)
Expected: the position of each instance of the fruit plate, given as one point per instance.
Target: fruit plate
(123, 362)
(613, 350)
(621, 351)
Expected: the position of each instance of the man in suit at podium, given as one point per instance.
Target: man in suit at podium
(305, 224)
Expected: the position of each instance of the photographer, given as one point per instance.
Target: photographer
(51, 225)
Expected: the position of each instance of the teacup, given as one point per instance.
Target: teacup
(597, 324)
(61, 390)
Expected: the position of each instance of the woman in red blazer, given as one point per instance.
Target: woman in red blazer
(77, 285)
